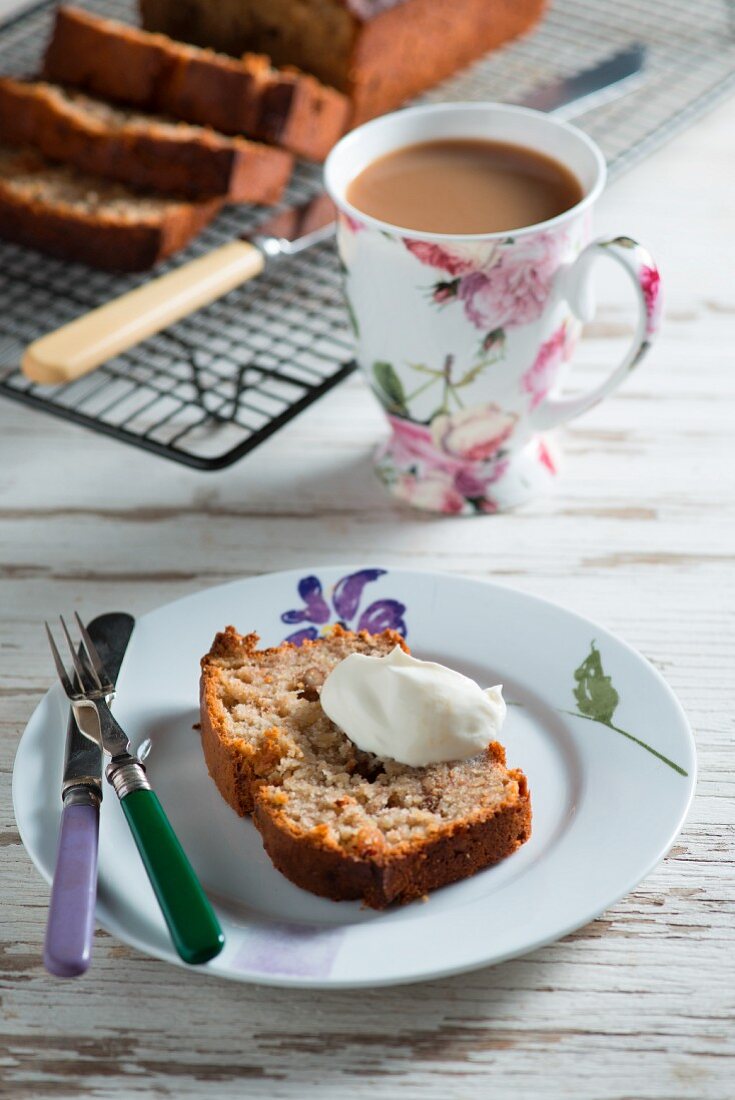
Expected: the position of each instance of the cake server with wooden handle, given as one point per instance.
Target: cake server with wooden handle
(90, 340)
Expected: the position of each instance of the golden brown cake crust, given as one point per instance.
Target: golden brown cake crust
(379, 52)
(368, 865)
(460, 852)
(170, 157)
(439, 39)
(155, 73)
(124, 234)
(229, 763)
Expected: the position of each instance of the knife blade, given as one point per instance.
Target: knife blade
(90, 340)
(83, 759)
(68, 941)
(575, 95)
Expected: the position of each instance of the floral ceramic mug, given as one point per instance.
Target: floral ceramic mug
(464, 339)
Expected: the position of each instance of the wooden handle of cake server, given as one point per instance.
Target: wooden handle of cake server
(90, 340)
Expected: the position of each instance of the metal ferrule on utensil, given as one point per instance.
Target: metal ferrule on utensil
(127, 775)
(83, 794)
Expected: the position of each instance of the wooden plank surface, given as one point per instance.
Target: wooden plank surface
(641, 535)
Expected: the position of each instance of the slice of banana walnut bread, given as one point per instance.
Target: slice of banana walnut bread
(246, 95)
(339, 822)
(141, 150)
(77, 216)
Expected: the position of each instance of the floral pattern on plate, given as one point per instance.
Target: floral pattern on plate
(597, 700)
(341, 605)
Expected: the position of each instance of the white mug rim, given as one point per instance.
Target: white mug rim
(354, 136)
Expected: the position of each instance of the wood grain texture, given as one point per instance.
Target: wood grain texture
(640, 1004)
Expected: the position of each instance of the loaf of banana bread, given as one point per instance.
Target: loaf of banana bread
(380, 52)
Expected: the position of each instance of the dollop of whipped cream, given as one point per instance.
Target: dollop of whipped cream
(416, 712)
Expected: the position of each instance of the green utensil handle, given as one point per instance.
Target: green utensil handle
(194, 928)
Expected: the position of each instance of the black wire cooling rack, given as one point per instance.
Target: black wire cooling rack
(215, 385)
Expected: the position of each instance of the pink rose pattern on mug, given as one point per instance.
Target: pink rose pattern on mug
(459, 459)
(509, 285)
(466, 340)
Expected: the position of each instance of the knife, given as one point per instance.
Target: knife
(68, 944)
(575, 95)
(90, 340)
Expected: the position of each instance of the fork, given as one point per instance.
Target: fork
(194, 928)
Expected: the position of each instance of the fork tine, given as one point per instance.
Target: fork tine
(96, 666)
(60, 669)
(79, 668)
(92, 677)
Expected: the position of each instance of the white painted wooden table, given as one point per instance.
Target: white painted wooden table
(640, 1003)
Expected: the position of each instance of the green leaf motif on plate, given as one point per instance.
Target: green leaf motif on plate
(597, 700)
(596, 697)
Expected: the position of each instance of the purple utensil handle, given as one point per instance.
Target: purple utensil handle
(68, 947)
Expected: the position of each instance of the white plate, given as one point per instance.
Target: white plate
(605, 809)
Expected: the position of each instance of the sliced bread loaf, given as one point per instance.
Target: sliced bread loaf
(337, 821)
(380, 52)
(154, 73)
(145, 151)
(75, 216)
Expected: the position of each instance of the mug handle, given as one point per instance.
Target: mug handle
(643, 273)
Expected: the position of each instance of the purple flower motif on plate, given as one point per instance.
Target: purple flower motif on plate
(383, 615)
(346, 599)
(316, 609)
(348, 592)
